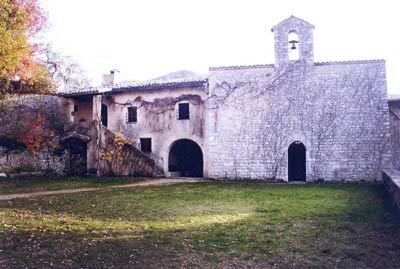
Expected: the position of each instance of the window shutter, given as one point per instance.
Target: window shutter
(183, 111)
(132, 114)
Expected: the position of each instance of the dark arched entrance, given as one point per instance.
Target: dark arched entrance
(297, 161)
(185, 159)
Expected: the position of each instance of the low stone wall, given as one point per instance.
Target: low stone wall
(41, 161)
(391, 179)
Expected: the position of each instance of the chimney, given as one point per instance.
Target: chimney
(111, 78)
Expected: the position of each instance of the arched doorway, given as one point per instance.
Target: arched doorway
(297, 162)
(185, 159)
(77, 149)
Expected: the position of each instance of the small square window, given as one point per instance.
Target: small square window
(132, 114)
(145, 145)
(183, 111)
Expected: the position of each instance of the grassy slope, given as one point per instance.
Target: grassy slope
(228, 224)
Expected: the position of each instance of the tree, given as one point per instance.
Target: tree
(20, 70)
(64, 71)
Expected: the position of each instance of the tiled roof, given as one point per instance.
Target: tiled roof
(272, 65)
(241, 67)
(161, 83)
(83, 91)
(178, 79)
(350, 62)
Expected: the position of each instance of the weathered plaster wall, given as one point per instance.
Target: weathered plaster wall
(338, 111)
(157, 118)
(84, 111)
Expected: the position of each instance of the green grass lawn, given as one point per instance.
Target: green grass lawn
(25, 185)
(218, 224)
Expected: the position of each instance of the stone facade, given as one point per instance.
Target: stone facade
(11, 161)
(328, 120)
(13, 116)
(332, 108)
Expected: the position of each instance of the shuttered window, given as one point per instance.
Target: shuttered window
(183, 111)
(132, 114)
(145, 145)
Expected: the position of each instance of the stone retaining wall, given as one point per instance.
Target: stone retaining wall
(391, 180)
(41, 161)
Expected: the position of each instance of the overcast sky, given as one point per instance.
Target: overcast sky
(146, 39)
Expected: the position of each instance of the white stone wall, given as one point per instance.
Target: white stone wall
(338, 111)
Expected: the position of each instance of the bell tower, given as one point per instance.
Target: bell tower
(293, 41)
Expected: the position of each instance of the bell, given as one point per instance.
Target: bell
(293, 44)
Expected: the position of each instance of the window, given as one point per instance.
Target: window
(73, 112)
(132, 114)
(104, 115)
(145, 145)
(183, 111)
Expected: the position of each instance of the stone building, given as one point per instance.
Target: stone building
(295, 119)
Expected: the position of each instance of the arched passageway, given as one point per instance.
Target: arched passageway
(297, 162)
(185, 159)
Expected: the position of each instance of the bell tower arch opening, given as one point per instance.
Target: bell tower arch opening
(293, 39)
(293, 45)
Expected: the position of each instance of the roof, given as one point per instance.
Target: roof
(234, 67)
(83, 91)
(291, 21)
(350, 62)
(256, 66)
(161, 84)
(179, 79)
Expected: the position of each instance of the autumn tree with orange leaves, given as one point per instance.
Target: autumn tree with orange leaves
(21, 21)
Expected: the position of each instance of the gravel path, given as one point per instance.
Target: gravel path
(150, 182)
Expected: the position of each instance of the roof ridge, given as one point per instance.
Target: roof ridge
(233, 67)
(177, 82)
(292, 17)
(349, 62)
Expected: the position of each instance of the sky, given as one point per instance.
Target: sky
(147, 39)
